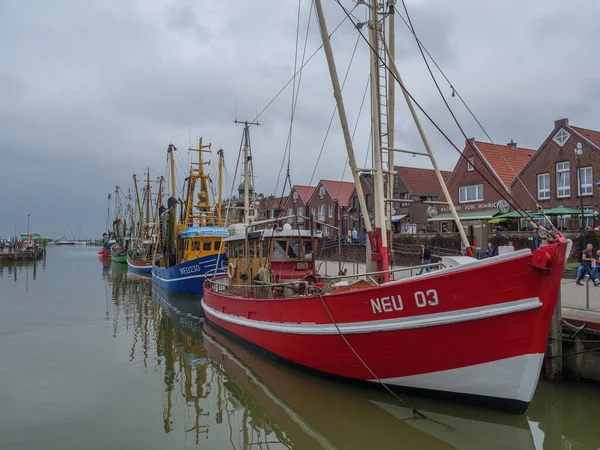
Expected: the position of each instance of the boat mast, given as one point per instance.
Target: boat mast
(147, 204)
(203, 206)
(394, 69)
(170, 151)
(247, 177)
(381, 239)
(337, 93)
(220, 200)
(391, 105)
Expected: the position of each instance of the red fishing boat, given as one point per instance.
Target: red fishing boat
(474, 329)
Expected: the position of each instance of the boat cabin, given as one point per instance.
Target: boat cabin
(285, 254)
(199, 242)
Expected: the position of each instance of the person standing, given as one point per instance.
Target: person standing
(354, 236)
(491, 251)
(425, 258)
(586, 265)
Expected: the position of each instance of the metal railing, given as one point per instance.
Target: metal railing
(323, 285)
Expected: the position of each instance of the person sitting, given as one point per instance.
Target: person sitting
(587, 257)
(491, 251)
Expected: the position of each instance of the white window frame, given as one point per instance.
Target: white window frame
(300, 213)
(587, 184)
(561, 137)
(405, 196)
(321, 213)
(325, 230)
(463, 193)
(295, 196)
(313, 211)
(470, 165)
(544, 192)
(271, 214)
(330, 210)
(588, 220)
(322, 192)
(563, 171)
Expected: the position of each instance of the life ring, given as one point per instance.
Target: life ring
(230, 269)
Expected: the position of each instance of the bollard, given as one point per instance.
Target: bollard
(587, 294)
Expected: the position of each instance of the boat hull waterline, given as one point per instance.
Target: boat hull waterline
(477, 331)
(187, 277)
(139, 266)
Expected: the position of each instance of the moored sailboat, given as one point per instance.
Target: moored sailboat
(475, 330)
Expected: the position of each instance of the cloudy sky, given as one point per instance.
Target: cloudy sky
(93, 91)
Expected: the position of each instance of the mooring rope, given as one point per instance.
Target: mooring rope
(412, 408)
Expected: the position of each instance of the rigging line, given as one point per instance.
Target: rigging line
(455, 92)
(295, 92)
(356, 127)
(301, 67)
(334, 111)
(430, 119)
(413, 409)
(412, 29)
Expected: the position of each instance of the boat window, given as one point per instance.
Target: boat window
(293, 249)
(307, 249)
(195, 246)
(207, 246)
(251, 245)
(217, 245)
(279, 247)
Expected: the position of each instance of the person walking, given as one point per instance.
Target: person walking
(587, 257)
(425, 258)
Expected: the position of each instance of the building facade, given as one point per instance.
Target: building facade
(477, 184)
(329, 204)
(551, 178)
(296, 204)
(418, 185)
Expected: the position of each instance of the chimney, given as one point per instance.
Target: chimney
(561, 123)
(512, 144)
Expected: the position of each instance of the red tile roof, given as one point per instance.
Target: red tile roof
(339, 190)
(506, 160)
(590, 135)
(422, 180)
(274, 202)
(304, 192)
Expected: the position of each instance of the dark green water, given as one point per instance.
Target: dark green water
(92, 358)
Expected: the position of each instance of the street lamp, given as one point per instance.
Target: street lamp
(578, 152)
(28, 223)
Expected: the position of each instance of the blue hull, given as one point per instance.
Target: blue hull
(187, 277)
(138, 269)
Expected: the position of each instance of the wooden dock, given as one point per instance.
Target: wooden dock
(33, 254)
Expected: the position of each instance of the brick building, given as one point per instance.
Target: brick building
(354, 217)
(475, 182)
(270, 207)
(329, 204)
(297, 203)
(415, 184)
(551, 175)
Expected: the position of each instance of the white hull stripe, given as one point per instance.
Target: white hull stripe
(511, 378)
(168, 280)
(402, 323)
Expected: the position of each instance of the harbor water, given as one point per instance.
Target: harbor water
(93, 357)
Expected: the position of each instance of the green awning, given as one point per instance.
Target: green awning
(514, 215)
(467, 215)
(561, 211)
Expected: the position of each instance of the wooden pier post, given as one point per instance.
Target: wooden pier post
(554, 362)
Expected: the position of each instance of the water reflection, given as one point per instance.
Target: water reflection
(218, 390)
(21, 269)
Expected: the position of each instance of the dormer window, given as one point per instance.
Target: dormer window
(295, 196)
(470, 163)
(561, 137)
(321, 192)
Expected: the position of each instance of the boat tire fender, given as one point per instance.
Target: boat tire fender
(231, 269)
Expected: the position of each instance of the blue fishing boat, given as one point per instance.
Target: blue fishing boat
(192, 246)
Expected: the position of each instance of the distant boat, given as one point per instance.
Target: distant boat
(139, 256)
